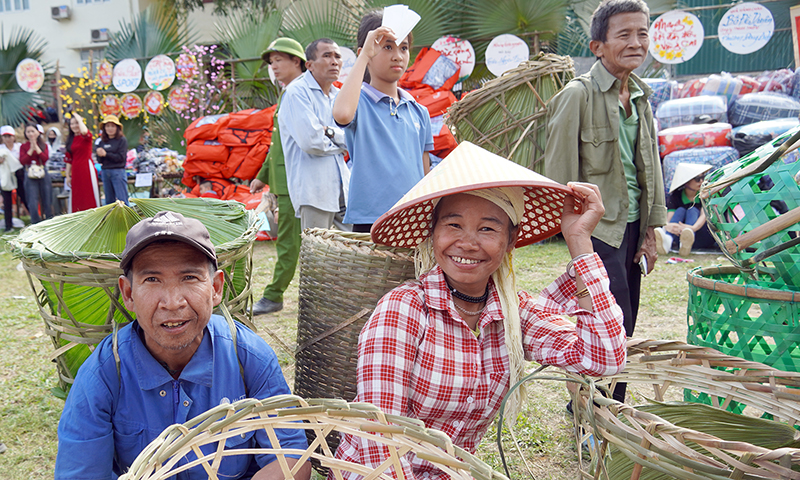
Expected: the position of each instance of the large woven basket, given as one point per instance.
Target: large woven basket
(743, 212)
(200, 441)
(342, 277)
(743, 319)
(669, 370)
(65, 281)
(508, 115)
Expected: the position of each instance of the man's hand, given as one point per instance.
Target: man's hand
(648, 249)
(256, 185)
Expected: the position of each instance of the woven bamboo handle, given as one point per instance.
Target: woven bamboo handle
(763, 231)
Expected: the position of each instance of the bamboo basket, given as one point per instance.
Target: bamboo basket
(342, 277)
(508, 115)
(200, 441)
(670, 369)
(740, 317)
(742, 215)
(65, 281)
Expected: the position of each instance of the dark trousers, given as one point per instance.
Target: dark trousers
(8, 199)
(362, 227)
(625, 279)
(21, 198)
(287, 248)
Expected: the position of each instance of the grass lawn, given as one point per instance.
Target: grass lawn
(29, 413)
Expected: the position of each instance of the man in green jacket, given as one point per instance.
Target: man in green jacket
(287, 58)
(600, 130)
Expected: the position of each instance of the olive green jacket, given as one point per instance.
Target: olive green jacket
(583, 145)
(273, 171)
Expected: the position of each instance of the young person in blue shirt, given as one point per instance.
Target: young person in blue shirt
(175, 361)
(388, 133)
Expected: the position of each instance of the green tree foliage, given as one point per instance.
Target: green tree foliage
(16, 105)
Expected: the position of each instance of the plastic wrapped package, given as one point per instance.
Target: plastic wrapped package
(749, 84)
(693, 136)
(760, 106)
(714, 156)
(663, 90)
(747, 138)
(726, 85)
(779, 81)
(685, 111)
(692, 88)
(796, 84)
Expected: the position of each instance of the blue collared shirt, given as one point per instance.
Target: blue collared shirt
(315, 168)
(110, 418)
(386, 143)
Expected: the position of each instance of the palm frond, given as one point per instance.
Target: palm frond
(437, 17)
(154, 31)
(308, 20)
(166, 130)
(485, 20)
(22, 43)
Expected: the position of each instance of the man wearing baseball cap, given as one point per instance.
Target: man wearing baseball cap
(288, 61)
(174, 362)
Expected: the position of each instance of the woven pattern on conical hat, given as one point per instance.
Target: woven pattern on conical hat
(467, 168)
(685, 172)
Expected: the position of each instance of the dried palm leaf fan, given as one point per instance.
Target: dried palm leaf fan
(342, 277)
(743, 213)
(72, 262)
(508, 115)
(691, 441)
(201, 442)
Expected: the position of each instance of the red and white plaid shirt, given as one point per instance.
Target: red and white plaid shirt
(419, 359)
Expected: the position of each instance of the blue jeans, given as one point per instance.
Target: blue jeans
(702, 237)
(39, 192)
(115, 185)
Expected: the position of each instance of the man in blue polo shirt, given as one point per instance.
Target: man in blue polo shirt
(176, 361)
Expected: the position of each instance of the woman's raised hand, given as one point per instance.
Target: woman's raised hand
(577, 228)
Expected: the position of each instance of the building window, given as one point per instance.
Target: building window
(90, 1)
(97, 56)
(14, 5)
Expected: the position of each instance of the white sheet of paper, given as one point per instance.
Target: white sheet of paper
(143, 180)
(400, 19)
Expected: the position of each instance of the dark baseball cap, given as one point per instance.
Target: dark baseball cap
(167, 226)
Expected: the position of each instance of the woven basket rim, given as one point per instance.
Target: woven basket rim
(697, 278)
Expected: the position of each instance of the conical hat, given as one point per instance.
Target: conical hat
(685, 172)
(467, 168)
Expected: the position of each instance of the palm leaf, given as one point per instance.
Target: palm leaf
(22, 43)
(308, 20)
(166, 130)
(437, 17)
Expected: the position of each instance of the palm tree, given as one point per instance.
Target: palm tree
(308, 20)
(15, 104)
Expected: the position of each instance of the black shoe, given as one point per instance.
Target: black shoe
(266, 305)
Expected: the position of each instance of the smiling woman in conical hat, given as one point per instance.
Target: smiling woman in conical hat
(446, 347)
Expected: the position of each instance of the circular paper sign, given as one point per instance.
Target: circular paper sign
(746, 28)
(131, 105)
(348, 60)
(160, 72)
(505, 52)
(153, 103)
(30, 75)
(186, 66)
(110, 105)
(178, 99)
(105, 71)
(127, 75)
(459, 51)
(675, 37)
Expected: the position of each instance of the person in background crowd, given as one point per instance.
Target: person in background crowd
(600, 130)
(112, 153)
(313, 146)
(119, 401)
(33, 155)
(81, 175)
(8, 183)
(686, 221)
(446, 348)
(9, 137)
(388, 133)
(54, 139)
(288, 60)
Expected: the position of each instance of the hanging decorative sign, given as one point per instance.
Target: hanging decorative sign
(506, 52)
(30, 75)
(186, 66)
(154, 103)
(459, 51)
(178, 99)
(746, 28)
(159, 72)
(127, 75)
(110, 105)
(131, 105)
(676, 37)
(348, 61)
(105, 72)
